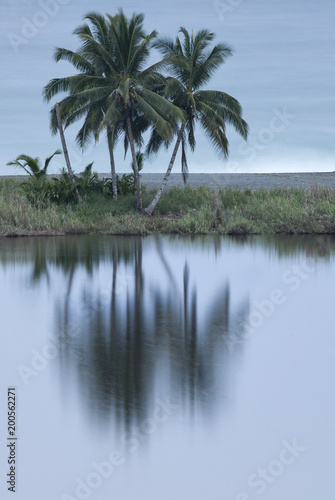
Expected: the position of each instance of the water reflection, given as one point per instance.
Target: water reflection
(147, 335)
(138, 321)
(133, 322)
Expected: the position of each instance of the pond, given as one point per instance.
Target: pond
(168, 367)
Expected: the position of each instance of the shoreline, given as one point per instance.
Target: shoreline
(223, 204)
(244, 181)
(253, 181)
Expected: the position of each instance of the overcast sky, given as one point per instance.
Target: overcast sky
(282, 72)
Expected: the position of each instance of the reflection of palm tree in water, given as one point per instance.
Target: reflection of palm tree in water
(125, 347)
(140, 344)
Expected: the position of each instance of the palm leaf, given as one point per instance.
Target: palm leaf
(154, 117)
(47, 161)
(75, 59)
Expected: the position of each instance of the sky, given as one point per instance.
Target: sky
(282, 72)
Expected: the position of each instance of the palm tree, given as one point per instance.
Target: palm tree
(74, 106)
(32, 165)
(192, 63)
(113, 91)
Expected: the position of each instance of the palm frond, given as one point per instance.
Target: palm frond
(100, 29)
(205, 69)
(93, 119)
(165, 45)
(114, 112)
(155, 142)
(28, 161)
(226, 108)
(55, 86)
(32, 163)
(218, 97)
(162, 106)
(152, 115)
(216, 135)
(191, 135)
(75, 59)
(174, 88)
(47, 161)
(125, 145)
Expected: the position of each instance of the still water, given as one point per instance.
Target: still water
(169, 367)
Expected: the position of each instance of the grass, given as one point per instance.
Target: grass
(180, 210)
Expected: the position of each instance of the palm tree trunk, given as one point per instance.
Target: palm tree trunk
(66, 154)
(137, 175)
(159, 193)
(111, 154)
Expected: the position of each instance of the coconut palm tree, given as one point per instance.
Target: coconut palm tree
(74, 106)
(113, 91)
(191, 63)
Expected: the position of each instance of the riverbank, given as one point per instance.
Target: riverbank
(190, 210)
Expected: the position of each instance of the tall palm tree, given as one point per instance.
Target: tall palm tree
(191, 63)
(74, 107)
(113, 91)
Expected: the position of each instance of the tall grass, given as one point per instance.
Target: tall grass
(181, 210)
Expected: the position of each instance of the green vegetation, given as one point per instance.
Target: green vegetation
(191, 62)
(181, 210)
(115, 92)
(32, 165)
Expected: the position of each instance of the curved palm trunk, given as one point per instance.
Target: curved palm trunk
(137, 175)
(159, 193)
(111, 155)
(66, 154)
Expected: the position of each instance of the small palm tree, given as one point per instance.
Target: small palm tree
(32, 165)
(191, 63)
(114, 91)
